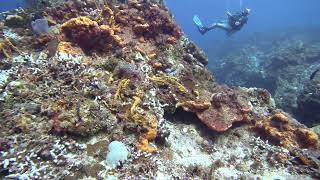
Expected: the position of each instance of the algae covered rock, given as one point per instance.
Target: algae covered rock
(123, 73)
(15, 21)
(309, 103)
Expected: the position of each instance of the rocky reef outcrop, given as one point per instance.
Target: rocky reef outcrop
(283, 67)
(309, 100)
(123, 71)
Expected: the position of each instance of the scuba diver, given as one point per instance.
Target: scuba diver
(233, 24)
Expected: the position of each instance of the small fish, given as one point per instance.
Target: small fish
(314, 74)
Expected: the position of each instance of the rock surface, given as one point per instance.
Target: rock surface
(282, 66)
(62, 103)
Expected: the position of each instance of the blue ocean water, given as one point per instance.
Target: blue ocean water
(267, 16)
(6, 5)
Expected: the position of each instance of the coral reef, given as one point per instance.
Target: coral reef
(15, 21)
(89, 35)
(278, 129)
(167, 80)
(122, 71)
(123, 84)
(7, 48)
(151, 23)
(308, 102)
(226, 107)
(283, 67)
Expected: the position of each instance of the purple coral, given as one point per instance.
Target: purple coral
(127, 70)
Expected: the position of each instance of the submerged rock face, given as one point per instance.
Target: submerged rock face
(63, 100)
(309, 101)
(282, 66)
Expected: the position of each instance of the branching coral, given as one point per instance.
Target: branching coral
(107, 16)
(122, 86)
(89, 35)
(163, 79)
(147, 121)
(136, 103)
(7, 48)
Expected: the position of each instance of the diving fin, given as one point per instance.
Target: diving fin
(197, 21)
(199, 24)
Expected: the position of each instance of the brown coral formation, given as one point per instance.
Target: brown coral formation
(68, 48)
(128, 94)
(279, 129)
(7, 48)
(89, 35)
(42, 41)
(194, 106)
(75, 117)
(149, 21)
(226, 107)
(149, 135)
(63, 12)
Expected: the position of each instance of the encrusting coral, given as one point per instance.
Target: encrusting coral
(148, 123)
(89, 35)
(150, 134)
(7, 48)
(67, 48)
(226, 107)
(281, 131)
(124, 72)
(149, 22)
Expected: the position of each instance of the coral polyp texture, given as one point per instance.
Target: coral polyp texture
(89, 35)
(124, 72)
(279, 129)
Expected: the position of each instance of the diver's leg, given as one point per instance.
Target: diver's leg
(220, 25)
(205, 29)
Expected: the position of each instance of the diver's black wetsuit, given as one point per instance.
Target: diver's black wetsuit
(234, 23)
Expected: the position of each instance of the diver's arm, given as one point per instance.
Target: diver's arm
(234, 17)
(230, 16)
